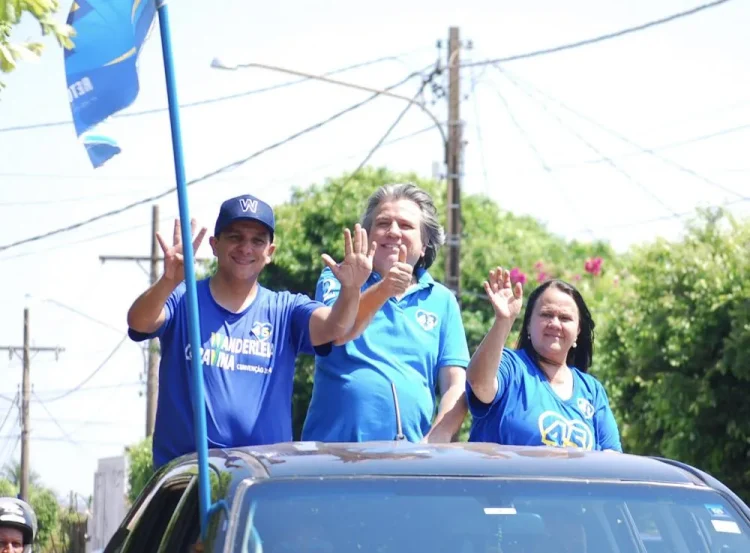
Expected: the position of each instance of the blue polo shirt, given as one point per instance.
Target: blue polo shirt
(407, 342)
(527, 411)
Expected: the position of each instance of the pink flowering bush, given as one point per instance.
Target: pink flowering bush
(593, 266)
(516, 275)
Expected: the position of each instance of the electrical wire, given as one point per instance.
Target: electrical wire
(663, 147)
(601, 38)
(670, 217)
(206, 176)
(623, 138)
(65, 434)
(427, 80)
(10, 410)
(58, 247)
(90, 376)
(84, 315)
(575, 133)
(540, 158)
(214, 100)
(478, 129)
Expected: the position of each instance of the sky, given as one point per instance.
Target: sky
(618, 141)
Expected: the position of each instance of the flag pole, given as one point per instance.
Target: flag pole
(198, 395)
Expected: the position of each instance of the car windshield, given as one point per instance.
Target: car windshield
(472, 515)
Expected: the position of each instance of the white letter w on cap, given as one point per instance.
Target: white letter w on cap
(246, 204)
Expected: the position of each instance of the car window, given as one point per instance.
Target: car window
(179, 476)
(481, 515)
(182, 531)
(147, 522)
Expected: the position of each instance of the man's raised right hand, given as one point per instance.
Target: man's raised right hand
(174, 260)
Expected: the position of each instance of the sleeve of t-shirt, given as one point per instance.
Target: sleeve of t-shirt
(607, 433)
(328, 287)
(302, 309)
(510, 367)
(170, 309)
(454, 351)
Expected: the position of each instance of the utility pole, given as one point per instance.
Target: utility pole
(152, 372)
(454, 166)
(152, 377)
(26, 351)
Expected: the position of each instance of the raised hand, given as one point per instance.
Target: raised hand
(505, 298)
(399, 276)
(174, 260)
(354, 271)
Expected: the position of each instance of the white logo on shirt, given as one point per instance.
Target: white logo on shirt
(558, 431)
(228, 353)
(587, 410)
(329, 289)
(262, 331)
(427, 320)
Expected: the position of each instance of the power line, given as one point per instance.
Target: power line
(89, 377)
(623, 138)
(84, 422)
(130, 178)
(5, 445)
(84, 315)
(478, 128)
(76, 443)
(522, 132)
(10, 410)
(540, 158)
(206, 176)
(600, 38)
(13, 449)
(66, 440)
(427, 80)
(590, 145)
(134, 227)
(670, 217)
(94, 388)
(76, 242)
(61, 200)
(663, 147)
(65, 434)
(214, 100)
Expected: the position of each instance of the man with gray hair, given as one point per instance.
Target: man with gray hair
(408, 338)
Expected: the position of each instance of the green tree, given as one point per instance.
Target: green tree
(7, 488)
(42, 500)
(11, 12)
(46, 507)
(140, 467)
(675, 357)
(12, 472)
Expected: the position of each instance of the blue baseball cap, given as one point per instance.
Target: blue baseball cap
(245, 208)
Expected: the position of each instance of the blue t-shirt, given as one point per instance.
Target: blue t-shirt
(527, 411)
(407, 342)
(248, 370)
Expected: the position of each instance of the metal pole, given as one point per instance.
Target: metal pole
(198, 393)
(454, 167)
(25, 396)
(152, 377)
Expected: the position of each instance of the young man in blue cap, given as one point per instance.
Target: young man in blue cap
(250, 335)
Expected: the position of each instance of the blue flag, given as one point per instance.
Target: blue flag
(102, 68)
